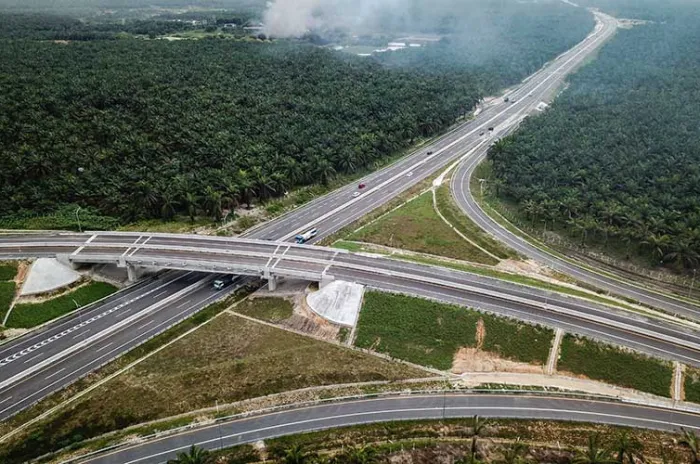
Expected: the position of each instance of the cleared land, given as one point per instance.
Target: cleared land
(430, 333)
(614, 365)
(267, 309)
(416, 226)
(27, 315)
(227, 360)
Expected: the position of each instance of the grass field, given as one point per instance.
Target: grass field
(692, 384)
(417, 227)
(7, 294)
(7, 271)
(267, 309)
(28, 315)
(458, 219)
(430, 333)
(227, 360)
(614, 365)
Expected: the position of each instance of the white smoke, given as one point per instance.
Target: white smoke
(293, 18)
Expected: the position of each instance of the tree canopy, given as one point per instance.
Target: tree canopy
(133, 129)
(617, 157)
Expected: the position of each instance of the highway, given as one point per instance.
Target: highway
(461, 190)
(328, 213)
(425, 407)
(281, 259)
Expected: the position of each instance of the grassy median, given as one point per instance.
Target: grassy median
(430, 333)
(416, 226)
(618, 366)
(27, 315)
(455, 216)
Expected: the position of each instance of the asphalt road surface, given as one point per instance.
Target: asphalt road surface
(328, 213)
(657, 337)
(427, 407)
(462, 193)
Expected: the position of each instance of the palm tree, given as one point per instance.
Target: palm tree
(515, 454)
(594, 453)
(477, 426)
(213, 200)
(627, 446)
(191, 201)
(296, 455)
(362, 455)
(690, 441)
(195, 455)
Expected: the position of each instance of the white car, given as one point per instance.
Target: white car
(355, 194)
(410, 174)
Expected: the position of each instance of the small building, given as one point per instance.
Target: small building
(230, 26)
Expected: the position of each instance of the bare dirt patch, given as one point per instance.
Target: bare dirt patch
(475, 360)
(22, 269)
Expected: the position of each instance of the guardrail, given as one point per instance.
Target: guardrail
(390, 394)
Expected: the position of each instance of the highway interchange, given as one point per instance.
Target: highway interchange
(181, 293)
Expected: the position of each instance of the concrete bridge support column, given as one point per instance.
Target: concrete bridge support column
(132, 273)
(272, 283)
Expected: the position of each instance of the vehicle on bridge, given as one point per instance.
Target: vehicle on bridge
(306, 236)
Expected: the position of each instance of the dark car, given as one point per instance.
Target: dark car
(481, 133)
(361, 186)
(429, 153)
(491, 129)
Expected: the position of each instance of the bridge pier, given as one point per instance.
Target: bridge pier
(132, 273)
(272, 283)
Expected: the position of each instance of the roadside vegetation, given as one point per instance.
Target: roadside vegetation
(27, 315)
(607, 363)
(692, 384)
(471, 440)
(269, 309)
(455, 216)
(227, 360)
(614, 163)
(430, 333)
(7, 289)
(416, 226)
(118, 117)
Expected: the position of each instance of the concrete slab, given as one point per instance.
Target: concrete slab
(46, 275)
(338, 302)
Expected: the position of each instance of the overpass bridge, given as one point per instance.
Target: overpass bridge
(273, 260)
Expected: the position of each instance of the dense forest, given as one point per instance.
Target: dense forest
(131, 129)
(616, 160)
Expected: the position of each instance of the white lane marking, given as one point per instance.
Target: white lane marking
(563, 412)
(183, 304)
(6, 399)
(82, 324)
(56, 373)
(33, 358)
(417, 165)
(167, 323)
(147, 323)
(106, 346)
(81, 334)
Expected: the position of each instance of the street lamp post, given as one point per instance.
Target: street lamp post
(80, 229)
